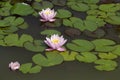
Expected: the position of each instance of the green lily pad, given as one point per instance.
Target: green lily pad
(66, 14)
(38, 0)
(25, 68)
(35, 46)
(59, 2)
(23, 26)
(14, 40)
(80, 45)
(78, 6)
(107, 56)
(22, 9)
(87, 57)
(35, 69)
(109, 7)
(69, 56)
(105, 65)
(50, 59)
(50, 32)
(104, 45)
(91, 1)
(115, 20)
(42, 5)
(116, 50)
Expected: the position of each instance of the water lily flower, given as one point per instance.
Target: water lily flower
(55, 42)
(47, 15)
(14, 65)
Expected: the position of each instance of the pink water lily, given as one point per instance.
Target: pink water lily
(14, 65)
(55, 42)
(47, 15)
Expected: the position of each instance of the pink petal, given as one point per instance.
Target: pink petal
(43, 20)
(49, 49)
(51, 20)
(61, 49)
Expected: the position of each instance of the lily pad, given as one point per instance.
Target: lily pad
(50, 59)
(66, 14)
(104, 45)
(59, 2)
(35, 69)
(69, 56)
(25, 68)
(35, 46)
(91, 1)
(22, 9)
(116, 50)
(42, 5)
(105, 65)
(115, 20)
(87, 57)
(14, 40)
(78, 6)
(80, 45)
(50, 32)
(107, 55)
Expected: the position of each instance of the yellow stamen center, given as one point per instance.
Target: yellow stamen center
(47, 12)
(55, 41)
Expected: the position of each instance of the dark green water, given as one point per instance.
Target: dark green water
(65, 71)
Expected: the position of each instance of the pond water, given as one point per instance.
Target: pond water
(69, 70)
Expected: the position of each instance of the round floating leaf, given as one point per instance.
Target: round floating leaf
(35, 69)
(14, 40)
(69, 56)
(116, 50)
(56, 23)
(115, 20)
(25, 68)
(96, 34)
(18, 21)
(89, 25)
(22, 9)
(42, 5)
(35, 46)
(105, 65)
(66, 14)
(87, 57)
(67, 22)
(50, 59)
(104, 45)
(50, 32)
(78, 6)
(107, 56)
(38, 0)
(23, 26)
(109, 7)
(91, 1)
(80, 45)
(59, 2)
